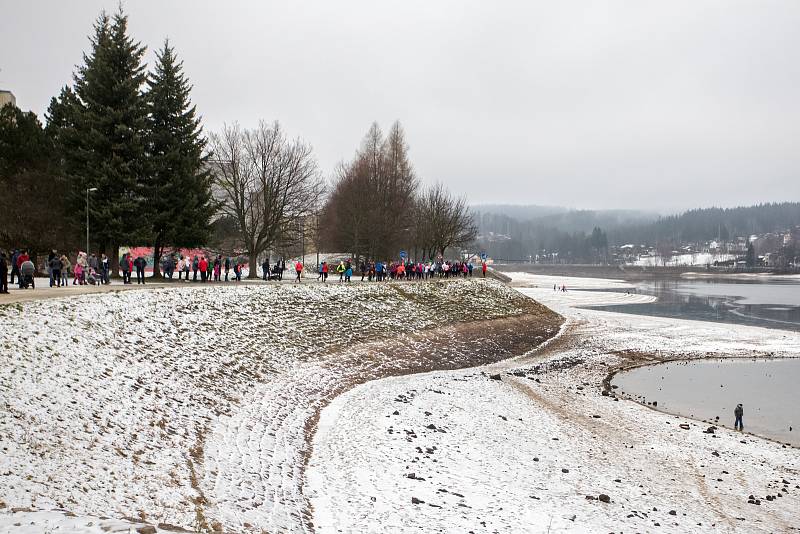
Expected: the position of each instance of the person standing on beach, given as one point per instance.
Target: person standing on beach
(738, 413)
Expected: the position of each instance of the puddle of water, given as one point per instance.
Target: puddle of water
(705, 389)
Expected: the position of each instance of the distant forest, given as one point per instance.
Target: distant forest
(517, 232)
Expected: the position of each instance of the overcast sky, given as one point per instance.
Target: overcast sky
(657, 105)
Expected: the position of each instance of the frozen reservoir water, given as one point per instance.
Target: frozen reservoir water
(772, 303)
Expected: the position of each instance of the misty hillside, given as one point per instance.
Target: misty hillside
(568, 232)
(520, 212)
(704, 224)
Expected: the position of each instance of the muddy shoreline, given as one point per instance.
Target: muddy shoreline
(649, 361)
(505, 338)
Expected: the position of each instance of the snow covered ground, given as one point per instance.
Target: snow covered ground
(699, 258)
(192, 407)
(539, 444)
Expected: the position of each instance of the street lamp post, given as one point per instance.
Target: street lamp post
(89, 190)
(303, 242)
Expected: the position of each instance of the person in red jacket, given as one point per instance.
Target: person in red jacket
(22, 258)
(298, 268)
(203, 266)
(483, 268)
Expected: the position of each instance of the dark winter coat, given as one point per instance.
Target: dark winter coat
(140, 263)
(55, 264)
(738, 412)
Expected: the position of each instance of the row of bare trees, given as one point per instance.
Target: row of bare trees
(272, 196)
(377, 206)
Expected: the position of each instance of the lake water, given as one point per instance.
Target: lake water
(707, 389)
(773, 304)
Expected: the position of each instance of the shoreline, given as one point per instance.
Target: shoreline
(610, 390)
(536, 434)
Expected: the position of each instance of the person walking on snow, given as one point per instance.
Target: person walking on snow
(298, 268)
(738, 413)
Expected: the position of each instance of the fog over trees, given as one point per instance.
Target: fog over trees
(578, 235)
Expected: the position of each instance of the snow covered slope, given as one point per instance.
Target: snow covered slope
(193, 407)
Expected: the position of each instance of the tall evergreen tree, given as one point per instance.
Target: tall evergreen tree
(178, 189)
(29, 172)
(100, 128)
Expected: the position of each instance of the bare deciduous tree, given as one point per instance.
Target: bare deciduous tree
(369, 212)
(442, 221)
(265, 183)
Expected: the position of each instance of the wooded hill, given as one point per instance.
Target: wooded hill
(515, 232)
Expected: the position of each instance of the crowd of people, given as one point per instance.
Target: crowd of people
(201, 267)
(94, 270)
(379, 271)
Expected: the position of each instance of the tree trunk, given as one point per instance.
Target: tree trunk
(158, 249)
(252, 258)
(113, 262)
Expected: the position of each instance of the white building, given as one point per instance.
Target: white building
(7, 97)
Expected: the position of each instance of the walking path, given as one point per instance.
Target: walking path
(43, 291)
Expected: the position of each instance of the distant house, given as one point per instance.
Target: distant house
(7, 97)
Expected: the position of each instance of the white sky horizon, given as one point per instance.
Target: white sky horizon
(615, 105)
